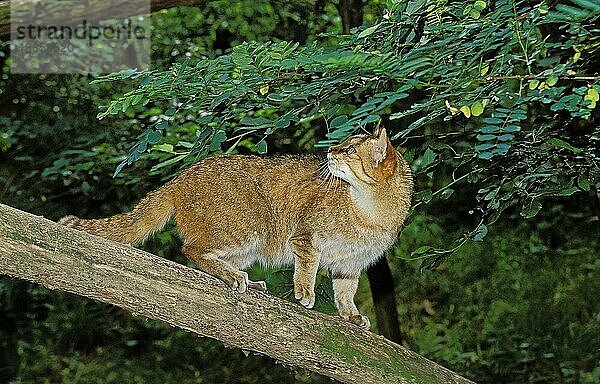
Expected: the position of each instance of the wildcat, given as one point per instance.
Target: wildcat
(234, 210)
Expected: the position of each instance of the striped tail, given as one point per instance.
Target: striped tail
(149, 216)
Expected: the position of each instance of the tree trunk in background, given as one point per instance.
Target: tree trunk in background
(41, 251)
(595, 200)
(384, 300)
(351, 12)
(380, 275)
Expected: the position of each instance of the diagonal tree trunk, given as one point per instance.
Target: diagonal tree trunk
(38, 250)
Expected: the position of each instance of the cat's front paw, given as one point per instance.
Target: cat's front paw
(305, 294)
(360, 320)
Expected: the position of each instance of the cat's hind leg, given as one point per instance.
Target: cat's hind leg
(224, 267)
(344, 289)
(242, 263)
(258, 285)
(212, 263)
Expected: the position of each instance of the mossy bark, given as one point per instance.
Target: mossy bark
(39, 250)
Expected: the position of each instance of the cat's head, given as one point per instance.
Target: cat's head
(363, 159)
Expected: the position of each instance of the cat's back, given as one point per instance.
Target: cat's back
(246, 175)
(245, 199)
(224, 167)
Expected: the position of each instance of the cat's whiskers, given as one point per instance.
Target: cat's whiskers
(333, 180)
(327, 179)
(323, 173)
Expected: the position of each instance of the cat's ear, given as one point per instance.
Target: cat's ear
(380, 150)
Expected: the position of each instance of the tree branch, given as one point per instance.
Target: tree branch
(41, 251)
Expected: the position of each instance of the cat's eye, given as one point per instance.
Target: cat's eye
(350, 150)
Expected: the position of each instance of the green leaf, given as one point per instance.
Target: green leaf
(391, 100)
(414, 6)
(480, 232)
(552, 80)
(492, 121)
(255, 121)
(531, 209)
(146, 80)
(136, 98)
(446, 193)
(475, 14)
(168, 162)
(502, 148)
(489, 129)
(333, 111)
(368, 31)
(533, 84)
(425, 196)
(421, 250)
(486, 137)
(479, 5)
(218, 138)
(427, 158)
(126, 103)
(369, 119)
(466, 111)
(592, 5)
(127, 73)
(485, 155)
(506, 137)
(570, 11)
(241, 57)
(491, 194)
(338, 121)
(164, 148)
(119, 168)
(484, 147)
(511, 128)
(567, 191)
(338, 134)
(154, 137)
(261, 147)
(563, 144)
(219, 99)
(476, 108)
(583, 183)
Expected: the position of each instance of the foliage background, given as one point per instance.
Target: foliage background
(519, 306)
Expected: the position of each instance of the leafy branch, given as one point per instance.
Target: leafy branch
(476, 87)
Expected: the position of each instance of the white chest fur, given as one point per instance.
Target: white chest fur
(352, 252)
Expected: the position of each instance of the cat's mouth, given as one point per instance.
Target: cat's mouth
(334, 169)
